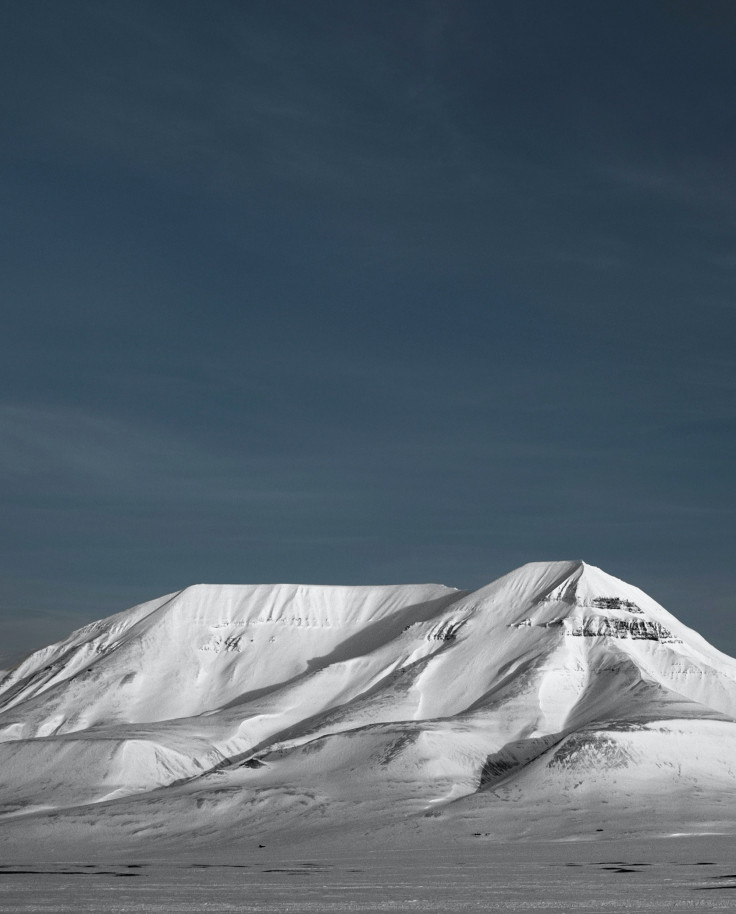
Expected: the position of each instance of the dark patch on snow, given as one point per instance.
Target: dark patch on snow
(625, 726)
(616, 603)
(287, 872)
(87, 871)
(446, 632)
(637, 629)
(708, 888)
(396, 747)
(494, 768)
(514, 756)
(590, 751)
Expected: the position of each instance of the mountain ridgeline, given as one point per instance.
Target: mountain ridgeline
(555, 701)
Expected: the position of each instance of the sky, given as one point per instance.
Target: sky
(364, 292)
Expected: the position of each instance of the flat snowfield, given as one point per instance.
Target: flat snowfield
(665, 874)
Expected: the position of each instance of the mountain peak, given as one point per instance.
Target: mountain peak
(581, 582)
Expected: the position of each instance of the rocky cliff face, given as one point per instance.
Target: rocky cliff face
(607, 627)
(601, 626)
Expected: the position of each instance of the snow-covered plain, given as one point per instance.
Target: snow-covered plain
(676, 874)
(412, 729)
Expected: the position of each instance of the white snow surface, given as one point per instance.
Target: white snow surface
(555, 702)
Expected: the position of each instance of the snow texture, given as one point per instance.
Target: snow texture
(556, 702)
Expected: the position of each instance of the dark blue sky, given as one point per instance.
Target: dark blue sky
(364, 292)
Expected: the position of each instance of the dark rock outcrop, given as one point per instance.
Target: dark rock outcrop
(639, 629)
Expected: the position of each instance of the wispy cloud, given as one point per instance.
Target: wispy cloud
(73, 452)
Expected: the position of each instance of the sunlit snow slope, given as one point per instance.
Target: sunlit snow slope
(557, 700)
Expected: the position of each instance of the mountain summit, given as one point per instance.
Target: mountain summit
(555, 701)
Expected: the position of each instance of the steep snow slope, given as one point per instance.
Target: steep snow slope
(222, 712)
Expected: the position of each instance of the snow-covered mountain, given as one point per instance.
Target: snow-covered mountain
(555, 701)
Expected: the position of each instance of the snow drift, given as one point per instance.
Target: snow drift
(555, 701)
